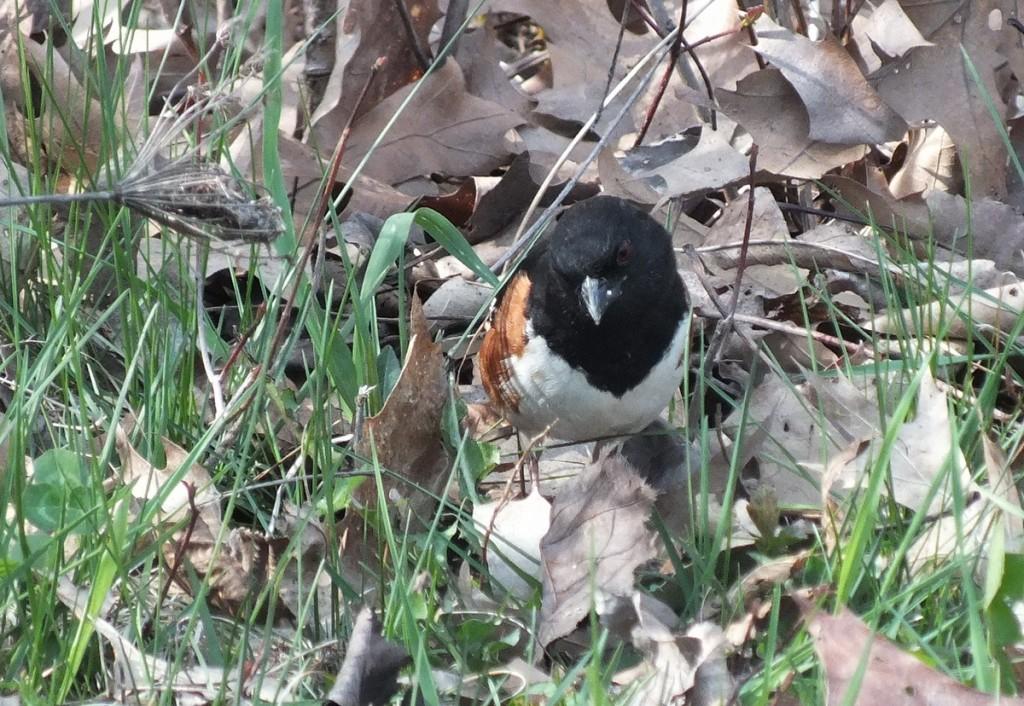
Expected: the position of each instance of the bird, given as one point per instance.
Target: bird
(588, 339)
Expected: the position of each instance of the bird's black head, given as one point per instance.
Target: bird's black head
(606, 295)
(615, 256)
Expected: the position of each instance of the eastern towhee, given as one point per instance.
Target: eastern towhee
(590, 335)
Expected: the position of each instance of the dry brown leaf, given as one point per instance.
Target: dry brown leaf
(798, 440)
(71, 124)
(843, 108)
(891, 675)
(367, 31)
(404, 438)
(726, 59)
(369, 673)
(965, 535)
(578, 91)
(502, 204)
(768, 107)
(970, 535)
(616, 180)
(766, 224)
(581, 36)
(16, 245)
(830, 246)
(478, 56)
(997, 230)
(444, 129)
(146, 676)
(908, 215)
(582, 28)
(933, 83)
(925, 448)
(1001, 483)
(235, 567)
(880, 30)
(71, 120)
(796, 353)
(176, 261)
(771, 572)
(456, 303)
(598, 537)
(303, 169)
(148, 482)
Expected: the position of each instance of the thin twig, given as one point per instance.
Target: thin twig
(685, 73)
(179, 550)
(793, 329)
(673, 57)
(727, 326)
(410, 31)
(614, 62)
(747, 226)
(703, 77)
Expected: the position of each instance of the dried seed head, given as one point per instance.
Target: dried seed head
(193, 197)
(201, 200)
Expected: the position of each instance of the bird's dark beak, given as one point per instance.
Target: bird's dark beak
(598, 293)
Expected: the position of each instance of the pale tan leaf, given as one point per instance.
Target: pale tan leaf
(71, 124)
(516, 529)
(677, 167)
(930, 163)
(998, 309)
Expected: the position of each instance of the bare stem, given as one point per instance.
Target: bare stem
(84, 197)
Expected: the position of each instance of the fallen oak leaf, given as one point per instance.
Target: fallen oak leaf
(997, 309)
(770, 109)
(880, 29)
(598, 537)
(936, 83)
(405, 438)
(846, 645)
(443, 129)
(677, 167)
(844, 109)
(368, 30)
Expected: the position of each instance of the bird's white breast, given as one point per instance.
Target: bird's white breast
(553, 392)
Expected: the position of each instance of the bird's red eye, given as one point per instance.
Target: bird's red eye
(624, 253)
